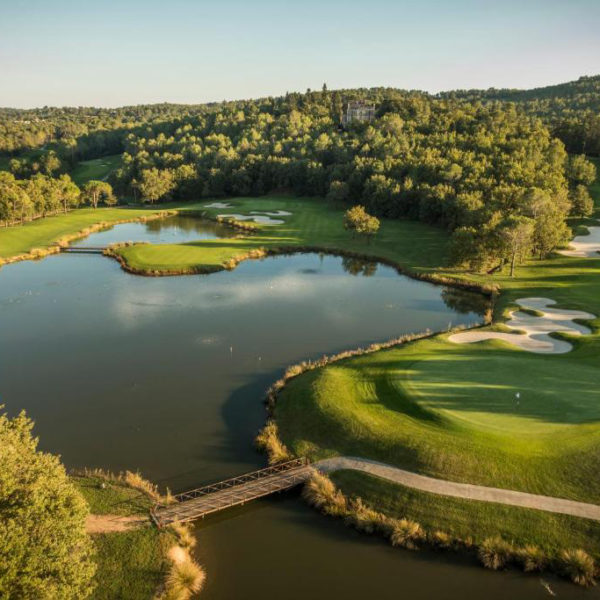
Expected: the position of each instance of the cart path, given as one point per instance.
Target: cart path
(466, 491)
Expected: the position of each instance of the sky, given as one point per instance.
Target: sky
(114, 53)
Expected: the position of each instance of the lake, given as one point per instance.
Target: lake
(167, 376)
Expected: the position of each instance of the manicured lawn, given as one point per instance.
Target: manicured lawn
(97, 168)
(473, 519)
(130, 564)
(313, 222)
(43, 233)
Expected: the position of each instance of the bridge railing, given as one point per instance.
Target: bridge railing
(242, 479)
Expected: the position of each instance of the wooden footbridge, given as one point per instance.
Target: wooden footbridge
(231, 492)
(83, 249)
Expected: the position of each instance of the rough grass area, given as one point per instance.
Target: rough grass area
(97, 168)
(472, 519)
(43, 233)
(112, 497)
(131, 564)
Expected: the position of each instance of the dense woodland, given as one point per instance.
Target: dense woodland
(491, 167)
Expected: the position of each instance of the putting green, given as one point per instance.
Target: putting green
(508, 391)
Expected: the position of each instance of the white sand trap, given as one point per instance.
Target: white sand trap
(585, 246)
(277, 213)
(262, 219)
(537, 329)
(218, 205)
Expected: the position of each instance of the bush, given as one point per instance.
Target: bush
(495, 553)
(578, 566)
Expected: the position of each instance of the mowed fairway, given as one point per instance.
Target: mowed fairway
(451, 411)
(97, 168)
(313, 223)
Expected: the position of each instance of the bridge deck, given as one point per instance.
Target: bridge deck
(83, 249)
(232, 492)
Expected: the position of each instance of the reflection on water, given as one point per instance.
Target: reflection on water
(359, 266)
(464, 302)
(176, 229)
(167, 375)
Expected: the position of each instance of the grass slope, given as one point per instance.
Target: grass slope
(97, 168)
(472, 519)
(131, 564)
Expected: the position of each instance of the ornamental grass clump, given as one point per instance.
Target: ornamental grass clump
(363, 518)
(268, 441)
(578, 566)
(441, 540)
(495, 553)
(184, 579)
(532, 558)
(406, 534)
(319, 491)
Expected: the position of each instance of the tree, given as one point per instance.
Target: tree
(338, 191)
(69, 193)
(581, 171)
(516, 234)
(582, 204)
(45, 552)
(156, 184)
(96, 191)
(357, 220)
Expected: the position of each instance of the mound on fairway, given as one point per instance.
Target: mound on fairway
(451, 411)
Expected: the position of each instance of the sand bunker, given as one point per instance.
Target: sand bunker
(277, 213)
(262, 217)
(586, 246)
(218, 205)
(537, 329)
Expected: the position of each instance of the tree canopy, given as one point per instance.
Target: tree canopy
(45, 552)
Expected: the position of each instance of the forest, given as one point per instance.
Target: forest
(502, 170)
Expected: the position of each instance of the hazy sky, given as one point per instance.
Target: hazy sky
(110, 53)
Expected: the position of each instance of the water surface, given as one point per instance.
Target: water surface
(176, 229)
(167, 375)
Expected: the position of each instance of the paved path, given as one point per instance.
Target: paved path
(460, 490)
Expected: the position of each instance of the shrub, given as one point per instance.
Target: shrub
(578, 566)
(406, 534)
(495, 553)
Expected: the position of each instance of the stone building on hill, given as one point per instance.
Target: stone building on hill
(358, 111)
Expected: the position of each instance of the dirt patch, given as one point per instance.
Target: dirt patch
(113, 523)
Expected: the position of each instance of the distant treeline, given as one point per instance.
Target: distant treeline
(484, 165)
